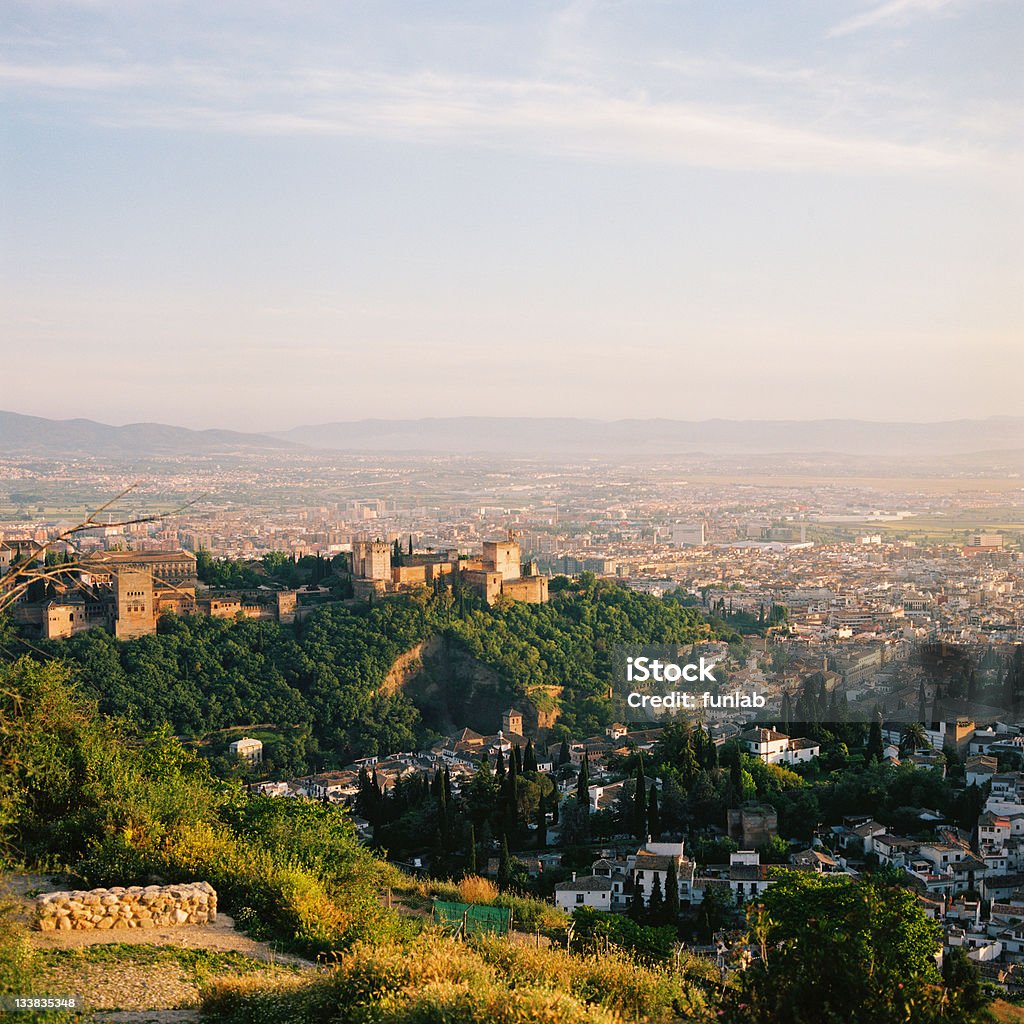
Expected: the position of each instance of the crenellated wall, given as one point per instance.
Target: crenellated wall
(152, 906)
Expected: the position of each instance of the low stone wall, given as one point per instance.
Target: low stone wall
(155, 906)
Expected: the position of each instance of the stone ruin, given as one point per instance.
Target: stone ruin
(152, 906)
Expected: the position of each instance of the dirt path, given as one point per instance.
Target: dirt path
(218, 935)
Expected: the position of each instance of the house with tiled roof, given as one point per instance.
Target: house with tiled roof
(775, 747)
(592, 891)
(652, 862)
(814, 859)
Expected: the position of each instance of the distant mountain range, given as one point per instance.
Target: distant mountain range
(34, 435)
(551, 435)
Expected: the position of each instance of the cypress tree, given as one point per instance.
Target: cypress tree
(822, 708)
(583, 785)
(736, 783)
(874, 750)
(499, 765)
(510, 800)
(656, 903)
(635, 910)
(563, 754)
(640, 803)
(471, 851)
(653, 815)
(972, 684)
(672, 893)
(518, 758)
(833, 706)
(530, 758)
(504, 865)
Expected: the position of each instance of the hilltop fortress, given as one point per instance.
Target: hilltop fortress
(498, 572)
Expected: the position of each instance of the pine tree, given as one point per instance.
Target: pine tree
(653, 815)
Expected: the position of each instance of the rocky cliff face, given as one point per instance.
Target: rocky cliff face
(453, 690)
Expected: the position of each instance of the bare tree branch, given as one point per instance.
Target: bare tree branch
(19, 578)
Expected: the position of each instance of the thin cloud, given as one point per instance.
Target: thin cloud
(71, 77)
(566, 118)
(898, 11)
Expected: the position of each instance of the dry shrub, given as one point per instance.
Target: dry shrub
(474, 889)
(435, 979)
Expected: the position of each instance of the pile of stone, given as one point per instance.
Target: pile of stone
(154, 906)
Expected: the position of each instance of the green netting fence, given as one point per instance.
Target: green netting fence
(471, 918)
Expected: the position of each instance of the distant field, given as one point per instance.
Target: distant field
(915, 484)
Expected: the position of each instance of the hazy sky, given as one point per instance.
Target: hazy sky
(261, 214)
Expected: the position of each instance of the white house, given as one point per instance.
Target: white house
(248, 749)
(748, 877)
(895, 851)
(777, 748)
(588, 891)
(993, 831)
(652, 861)
(981, 769)
(617, 871)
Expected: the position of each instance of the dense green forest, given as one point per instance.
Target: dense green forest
(316, 684)
(112, 805)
